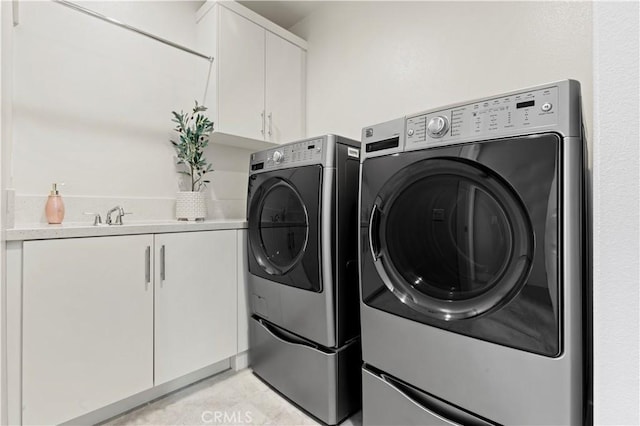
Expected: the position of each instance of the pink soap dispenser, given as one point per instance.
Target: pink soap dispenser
(54, 208)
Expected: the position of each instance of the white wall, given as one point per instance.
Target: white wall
(616, 207)
(5, 137)
(93, 103)
(373, 61)
(3, 292)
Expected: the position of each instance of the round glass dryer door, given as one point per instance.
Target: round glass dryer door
(454, 239)
(283, 228)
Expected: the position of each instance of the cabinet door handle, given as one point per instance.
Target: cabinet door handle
(147, 267)
(262, 117)
(270, 124)
(162, 264)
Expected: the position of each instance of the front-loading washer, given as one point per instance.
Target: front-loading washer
(472, 254)
(302, 214)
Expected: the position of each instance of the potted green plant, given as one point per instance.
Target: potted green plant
(193, 130)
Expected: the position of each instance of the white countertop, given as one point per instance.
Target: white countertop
(43, 231)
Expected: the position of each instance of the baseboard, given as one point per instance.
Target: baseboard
(240, 361)
(128, 404)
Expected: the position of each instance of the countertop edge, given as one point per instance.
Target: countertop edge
(49, 232)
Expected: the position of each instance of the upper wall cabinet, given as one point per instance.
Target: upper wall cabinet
(256, 91)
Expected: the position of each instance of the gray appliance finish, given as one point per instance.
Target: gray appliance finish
(388, 401)
(303, 273)
(323, 381)
(486, 319)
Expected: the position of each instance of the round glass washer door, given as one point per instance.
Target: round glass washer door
(280, 238)
(454, 239)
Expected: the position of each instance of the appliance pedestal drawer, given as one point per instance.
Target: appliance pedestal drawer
(325, 382)
(389, 401)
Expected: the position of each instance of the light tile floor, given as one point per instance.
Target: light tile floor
(229, 398)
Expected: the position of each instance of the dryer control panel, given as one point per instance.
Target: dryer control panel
(484, 119)
(290, 155)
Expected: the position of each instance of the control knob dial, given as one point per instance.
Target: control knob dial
(438, 126)
(278, 156)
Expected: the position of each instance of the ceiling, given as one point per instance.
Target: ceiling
(283, 13)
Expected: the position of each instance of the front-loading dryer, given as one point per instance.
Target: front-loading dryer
(303, 273)
(472, 250)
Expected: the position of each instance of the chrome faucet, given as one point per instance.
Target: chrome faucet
(118, 220)
(108, 216)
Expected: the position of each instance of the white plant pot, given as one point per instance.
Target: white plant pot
(190, 205)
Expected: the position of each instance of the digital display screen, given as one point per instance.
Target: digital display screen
(257, 166)
(525, 104)
(385, 144)
(311, 146)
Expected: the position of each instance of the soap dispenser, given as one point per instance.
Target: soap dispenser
(55, 207)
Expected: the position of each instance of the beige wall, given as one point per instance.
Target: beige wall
(374, 61)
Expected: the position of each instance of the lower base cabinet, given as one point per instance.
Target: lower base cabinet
(195, 308)
(87, 325)
(105, 318)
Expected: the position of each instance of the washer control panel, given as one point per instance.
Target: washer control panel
(438, 126)
(298, 153)
(486, 118)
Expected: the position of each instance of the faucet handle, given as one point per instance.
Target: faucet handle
(97, 220)
(121, 213)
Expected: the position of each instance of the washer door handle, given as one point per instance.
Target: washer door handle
(373, 221)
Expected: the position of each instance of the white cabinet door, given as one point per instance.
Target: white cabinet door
(241, 76)
(256, 86)
(87, 325)
(195, 301)
(284, 90)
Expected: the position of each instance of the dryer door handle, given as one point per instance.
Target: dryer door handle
(373, 222)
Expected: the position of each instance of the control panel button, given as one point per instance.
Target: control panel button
(438, 126)
(410, 132)
(546, 107)
(278, 156)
